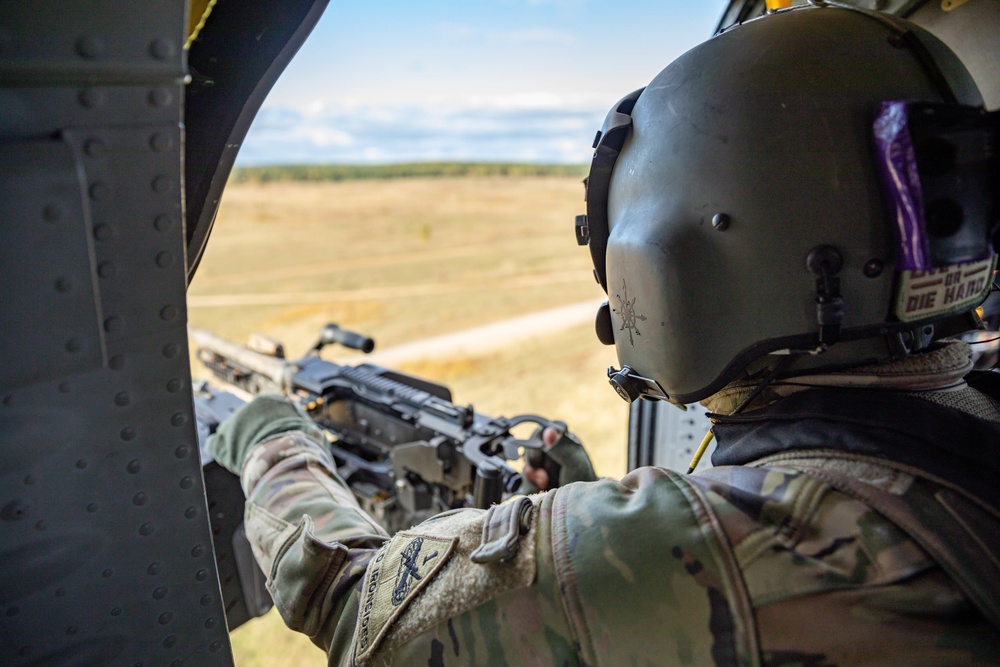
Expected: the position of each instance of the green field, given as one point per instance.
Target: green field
(407, 259)
(349, 172)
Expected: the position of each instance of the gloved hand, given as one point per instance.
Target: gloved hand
(264, 416)
(562, 460)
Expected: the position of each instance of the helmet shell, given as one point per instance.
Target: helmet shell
(765, 129)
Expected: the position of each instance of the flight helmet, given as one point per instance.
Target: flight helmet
(812, 183)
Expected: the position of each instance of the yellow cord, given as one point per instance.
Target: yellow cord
(198, 11)
(701, 451)
(778, 369)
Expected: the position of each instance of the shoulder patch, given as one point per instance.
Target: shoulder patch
(400, 570)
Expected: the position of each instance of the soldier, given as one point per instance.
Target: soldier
(756, 264)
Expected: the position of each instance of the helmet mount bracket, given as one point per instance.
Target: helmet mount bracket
(631, 386)
(904, 343)
(825, 262)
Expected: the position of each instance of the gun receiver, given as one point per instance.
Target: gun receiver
(405, 449)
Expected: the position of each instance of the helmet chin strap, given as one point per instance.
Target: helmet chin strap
(940, 368)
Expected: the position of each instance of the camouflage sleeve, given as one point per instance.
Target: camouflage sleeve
(316, 544)
(570, 577)
(307, 531)
(608, 573)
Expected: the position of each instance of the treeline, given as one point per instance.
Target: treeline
(345, 172)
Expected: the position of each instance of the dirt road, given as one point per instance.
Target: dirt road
(489, 337)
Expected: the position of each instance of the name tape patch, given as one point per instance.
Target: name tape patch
(939, 291)
(400, 570)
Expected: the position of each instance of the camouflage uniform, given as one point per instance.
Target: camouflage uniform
(777, 558)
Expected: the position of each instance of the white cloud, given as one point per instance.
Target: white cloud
(535, 100)
(490, 131)
(315, 107)
(325, 136)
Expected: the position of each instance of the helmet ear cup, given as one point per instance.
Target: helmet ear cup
(603, 325)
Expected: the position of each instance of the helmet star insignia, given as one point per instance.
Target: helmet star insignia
(628, 314)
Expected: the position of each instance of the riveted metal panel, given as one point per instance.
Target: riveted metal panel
(47, 260)
(108, 41)
(136, 215)
(39, 111)
(105, 542)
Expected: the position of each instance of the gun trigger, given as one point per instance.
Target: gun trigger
(502, 530)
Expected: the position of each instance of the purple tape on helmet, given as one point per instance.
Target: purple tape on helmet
(897, 165)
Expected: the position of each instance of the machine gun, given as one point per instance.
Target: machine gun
(405, 449)
(401, 444)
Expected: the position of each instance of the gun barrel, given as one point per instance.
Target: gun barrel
(277, 370)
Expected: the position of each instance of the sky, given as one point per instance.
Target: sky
(381, 81)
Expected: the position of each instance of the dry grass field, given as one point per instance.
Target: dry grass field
(403, 260)
(400, 259)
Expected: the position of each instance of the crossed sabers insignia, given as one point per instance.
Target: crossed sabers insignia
(627, 312)
(408, 567)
